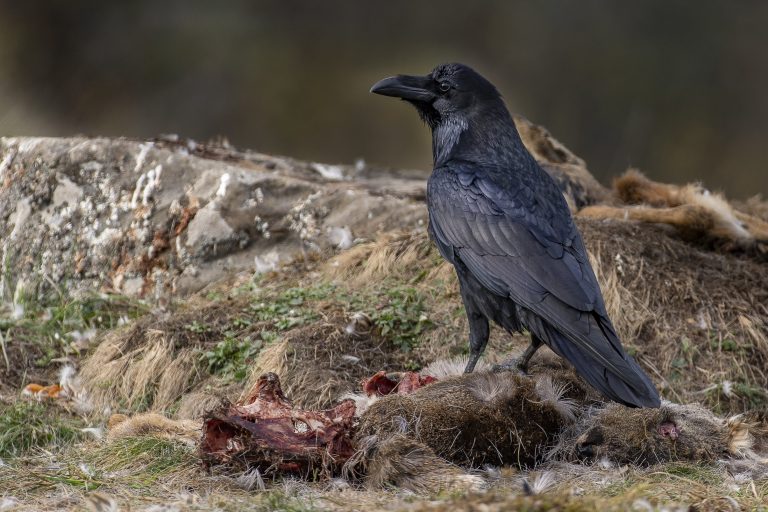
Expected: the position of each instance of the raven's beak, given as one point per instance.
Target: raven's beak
(412, 88)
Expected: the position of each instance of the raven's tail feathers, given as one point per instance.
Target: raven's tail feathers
(596, 358)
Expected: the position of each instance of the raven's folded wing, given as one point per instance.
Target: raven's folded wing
(513, 231)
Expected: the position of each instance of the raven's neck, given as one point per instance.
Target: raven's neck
(488, 137)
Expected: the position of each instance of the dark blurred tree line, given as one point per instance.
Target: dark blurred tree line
(676, 88)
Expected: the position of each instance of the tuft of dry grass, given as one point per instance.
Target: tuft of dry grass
(151, 363)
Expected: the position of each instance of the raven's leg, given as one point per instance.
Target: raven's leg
(478, 337)
(521, 363)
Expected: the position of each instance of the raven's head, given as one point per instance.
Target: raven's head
(451, 92)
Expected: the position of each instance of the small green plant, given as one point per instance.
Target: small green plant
(280, 500)
(288, 308)
(401, 316)
(28, 425)
(232, 358)
(719, 343)
(141, 461)
(197, 327)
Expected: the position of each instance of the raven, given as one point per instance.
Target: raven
(505, 226)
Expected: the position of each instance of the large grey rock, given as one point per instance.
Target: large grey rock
(153, 218)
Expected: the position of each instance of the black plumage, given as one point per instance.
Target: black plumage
(505, 226)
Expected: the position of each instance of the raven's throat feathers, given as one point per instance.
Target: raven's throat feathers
(483, 135)
(445, 137)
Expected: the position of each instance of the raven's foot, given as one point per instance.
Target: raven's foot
(515, 364)
(471, 362)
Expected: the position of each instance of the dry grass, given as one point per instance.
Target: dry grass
(141, 472)
(151, 363)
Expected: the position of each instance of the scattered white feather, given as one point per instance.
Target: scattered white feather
(338, 484)
(66, 375)
(223, 183)
(82, 337)
(85, 469)
(96, 432)
(727, 387)
(553, 394)
(8, 503)
(443, 368)
(605, 463)
(341, 238)
(643, 505)
(330, 172)
(542, 482)
(251, 480)
(17, 311)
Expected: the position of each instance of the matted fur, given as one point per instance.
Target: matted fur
(400, 462)
(473, 419)
(642, 436)
(696, 213)
(151, 424)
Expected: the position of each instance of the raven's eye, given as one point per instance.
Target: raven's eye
(445, 86)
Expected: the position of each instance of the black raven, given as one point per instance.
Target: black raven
(504, 224)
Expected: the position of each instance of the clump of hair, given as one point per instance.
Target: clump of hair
(472, 420)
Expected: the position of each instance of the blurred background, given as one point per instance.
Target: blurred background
(677, 88)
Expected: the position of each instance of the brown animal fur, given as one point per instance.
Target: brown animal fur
(697, 214)
(400, 462)
(651, 436)
(151, 424)
(475, 419)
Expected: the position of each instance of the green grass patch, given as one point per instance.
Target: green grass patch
(280, 500)
(701, 473)
(140, 462)
(25, 426)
